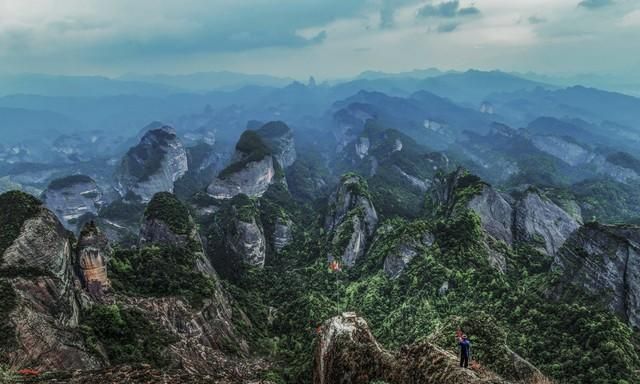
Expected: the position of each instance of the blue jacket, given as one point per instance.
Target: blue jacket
(465, 347)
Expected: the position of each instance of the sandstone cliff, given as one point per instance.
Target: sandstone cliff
(251, 172)
(37, 275)
(72, 197)
(153, 165)
(93, 252)
(351, 220)
(604, 261)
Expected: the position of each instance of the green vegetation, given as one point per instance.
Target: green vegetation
(625, 160)
(15, 208)
(253, 148)
(608, 201)
(126, 335)
(121, 210)
(165, 207)
(448, 285)
(66, 182)
(160, 271)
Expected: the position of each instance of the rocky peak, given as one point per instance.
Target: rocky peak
(93, 255)
(604, 261)
(36, 263)
(251, 172)
(279, 138)
(247, 240)
(153, 165)
(347, 352)
(167, 222)
(351, 220)
(72, 197)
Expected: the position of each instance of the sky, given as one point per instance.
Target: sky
(325, 38)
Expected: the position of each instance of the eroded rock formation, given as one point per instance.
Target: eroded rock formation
(351, 220)
(153, 165)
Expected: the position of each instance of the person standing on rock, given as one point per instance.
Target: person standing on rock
(465, 350)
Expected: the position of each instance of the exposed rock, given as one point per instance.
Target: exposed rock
(495, 213)
(351, 220)
(168, 222)
(93, 255)
(251, 172)
(347, 352)
(576, 155)
(398, 260)
(282, 234)
(153, 165)
(539, 221)
(38, 268)
(604, 261)
(362, 147)
(279, 138)
(249, 242)
(72, 197)
(569, 152)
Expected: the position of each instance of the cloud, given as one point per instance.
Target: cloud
(386, 14)
(595, 4)
(447, 9)
(536, 20)
(447, 27)
(468, 11)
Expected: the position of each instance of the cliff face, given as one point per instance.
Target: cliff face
(279, 138)
(351, 220)
(93, 252)
(541, 222)
(167, 222)
(153, 165)
(37, 271)
(604, 261)
(72, 197)
(251, 172)
(347, 352)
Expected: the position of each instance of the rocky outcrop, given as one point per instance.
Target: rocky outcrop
(399, 259)
(153, 165)
(578, 155)
(167, 222)
(248, 242)
(537, 220)
(351, 220)
(496, 214)
(347, 352)
(400, 243)
(362, 147)
(38, 268)
(93, 252)
(279, 138)
(72, 197)
(283, 233)
(604, 261)
(527, 217)
(251, 172)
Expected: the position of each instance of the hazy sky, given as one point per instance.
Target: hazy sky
(326, 38)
